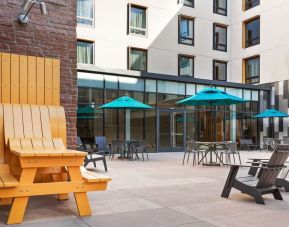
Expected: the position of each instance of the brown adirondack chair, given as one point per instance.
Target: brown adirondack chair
(261, 183)
(37, 161)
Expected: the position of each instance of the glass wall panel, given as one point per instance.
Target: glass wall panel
(190, 125)
(151, 85)
(111, 117)
(131, 84)
(235, 92)
(169, 101)
(247, 94)
(255, 95)
(169, 87)
(190, 89)
(111, 82)
(90, 80)
(150, 129)
(201, 87)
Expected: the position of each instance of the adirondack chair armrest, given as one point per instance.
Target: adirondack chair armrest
(249, 166)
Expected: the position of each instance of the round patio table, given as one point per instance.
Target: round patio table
(212, 148)
(129, 148)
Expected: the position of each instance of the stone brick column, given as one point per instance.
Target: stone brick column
(52, 35)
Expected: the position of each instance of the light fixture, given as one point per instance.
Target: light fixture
(27, 6)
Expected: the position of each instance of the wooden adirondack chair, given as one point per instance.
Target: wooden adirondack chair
(281, 180)
(263, 182)
(36, 161)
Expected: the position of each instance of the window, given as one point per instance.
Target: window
(189, 3)
(186, 65)
(220, 70)
(85, 12)
(251, 3)
(252, 32)
(137, 20)
(84, 52)
(137, 59)
(220, 7)
(186, 30)
(252, 70)
(220, 37)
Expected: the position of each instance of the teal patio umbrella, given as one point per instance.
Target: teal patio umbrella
(127, 103)
(271, 113)
(212, 97)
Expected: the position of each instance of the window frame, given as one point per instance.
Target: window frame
(215, 45)
(245, 23)
(128, 58)
(182, 2)
(247, 2)
(129, 6)
(181, 16)
(216, 8)
(84, 18)
(214, 72)
(93, 48)
(179, 61)
(245, 78)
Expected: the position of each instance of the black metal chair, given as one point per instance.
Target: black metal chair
(141, 148)
(261, 183)
(268, 144)
(92, 156)
(194, 149)
(247, 144)
(231, 149)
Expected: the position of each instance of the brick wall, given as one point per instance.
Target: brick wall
(52, 35)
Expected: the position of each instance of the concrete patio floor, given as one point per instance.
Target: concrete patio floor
(161, 192)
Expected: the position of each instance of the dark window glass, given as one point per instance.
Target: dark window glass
(252, 32)
(252, 70)
(220, 7)
(186, 65)
(84, 52)
(220, 37)
(137, 59)
(220, 70)
(137, 20)
(186, 30)
(251, 3)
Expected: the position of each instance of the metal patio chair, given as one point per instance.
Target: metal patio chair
(194, 149)
(230, 151)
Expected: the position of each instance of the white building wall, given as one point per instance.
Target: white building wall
(274, 40)
(111, 40)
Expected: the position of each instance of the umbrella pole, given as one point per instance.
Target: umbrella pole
(127, 124)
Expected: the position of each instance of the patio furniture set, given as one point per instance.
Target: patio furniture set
(222, 152)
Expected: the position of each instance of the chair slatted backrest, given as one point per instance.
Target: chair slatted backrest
(100, 141)
(44, 124)
(276, 162)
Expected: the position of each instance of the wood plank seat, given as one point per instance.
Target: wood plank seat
(7, 180)
(34, 159)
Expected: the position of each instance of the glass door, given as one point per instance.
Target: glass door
(171, 125)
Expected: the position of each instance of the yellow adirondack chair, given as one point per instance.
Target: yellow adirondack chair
(34, 148)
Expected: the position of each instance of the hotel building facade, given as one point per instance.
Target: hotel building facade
(159, 52)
